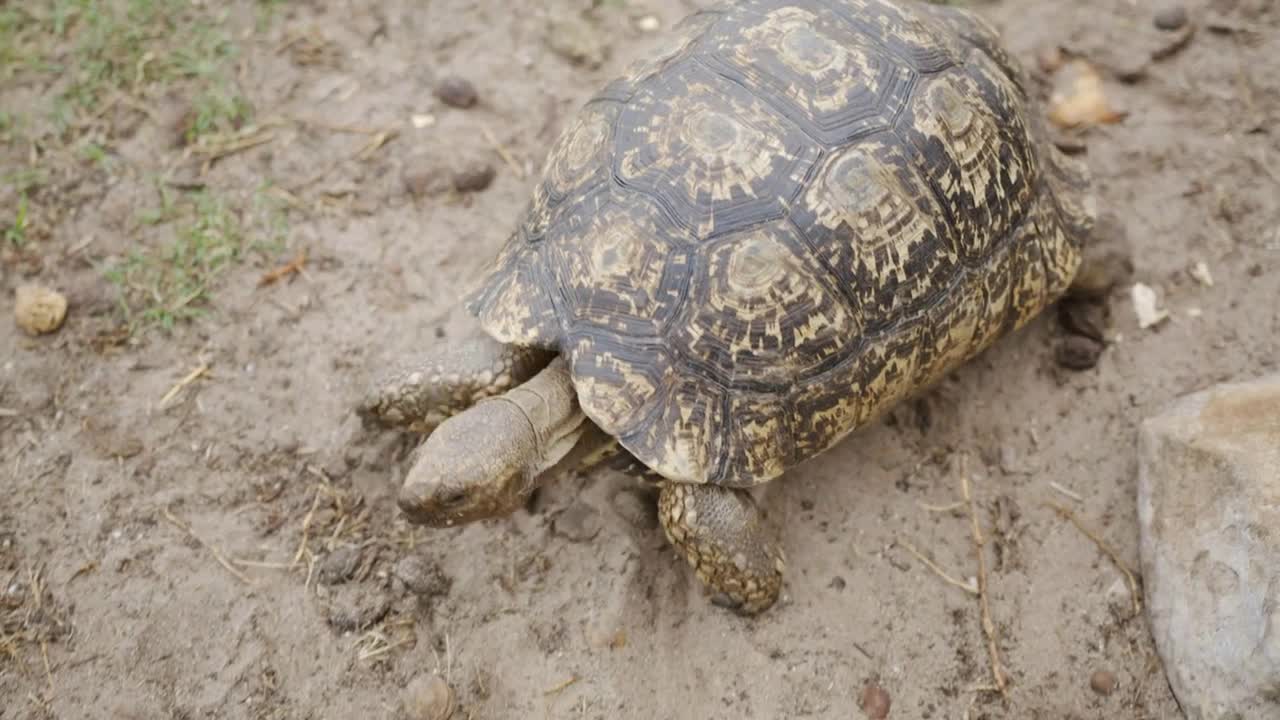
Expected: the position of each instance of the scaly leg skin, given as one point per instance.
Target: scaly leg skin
(420, 396)
(722, 534)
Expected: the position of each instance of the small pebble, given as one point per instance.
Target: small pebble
(1077, 352)
(1083, 317)
(473, 177)
(338, 566)
(1103, 682)
(579, 523)
(875, 702)
(429, 697)
(1049, 59)
(1146, 305)
(422, 178)
(39, 310)
(456, 92)
(1170, 18)
(648, 23)
(1009, 460)
(837, 583)
(423, 577)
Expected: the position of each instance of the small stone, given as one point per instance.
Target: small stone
(1146, 306)
(636, 508)
(338, 566)
(875, 701)
(423, 178)
(429, 697)
(457, 92)
(579, 523)
(649, 23)
(1083, 317)
(1209, 541)
(1077, 352)
(473, 177)
(1009, 460)
(422, 120)
(423, 577)
(335, 466)
(39, 310)
(1200, 273)
(1103, 682)
(1049, 59)
(1171, 17)
(571, 37)
(837, 583)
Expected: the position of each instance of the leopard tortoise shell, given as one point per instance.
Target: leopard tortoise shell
(794, 216)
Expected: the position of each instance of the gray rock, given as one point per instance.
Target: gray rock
(1209, 512)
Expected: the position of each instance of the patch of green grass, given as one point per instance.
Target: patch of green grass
(15, 232)
(216, 111)
(160, 287)
(103, 47)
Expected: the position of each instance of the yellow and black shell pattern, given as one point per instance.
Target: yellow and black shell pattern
(795, 215)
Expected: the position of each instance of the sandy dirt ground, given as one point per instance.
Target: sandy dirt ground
(187, 543)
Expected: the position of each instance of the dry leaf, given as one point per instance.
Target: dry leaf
(1078, 97)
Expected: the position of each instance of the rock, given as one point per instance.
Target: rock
(457, 92)
(1083, 317)
(1209, 525)
(423, 577)
(473, 176)
(573, 38)
(423, 177)
(338, 566)
(429, 697)
(579, 523)
(39, 310)
(1103, 682)
(1170, 17)
(1146, 306)
(649, 24)
(874, 701)
(1078, 352)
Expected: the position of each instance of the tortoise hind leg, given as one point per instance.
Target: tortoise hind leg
(420, 395)
(721, 532)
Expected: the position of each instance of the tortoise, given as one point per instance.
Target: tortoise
(794, 216)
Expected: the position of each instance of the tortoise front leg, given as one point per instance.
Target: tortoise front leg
(421, 395)
(722, 534)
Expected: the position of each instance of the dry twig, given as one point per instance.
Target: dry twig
(217, 555)
(293, 266)
(178, 386)
(1106, 550)
(988, 626)
(967, 587)
(503, 152)
(560, 687)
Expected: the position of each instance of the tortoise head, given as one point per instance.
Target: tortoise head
(485, 461)
(476, 465)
